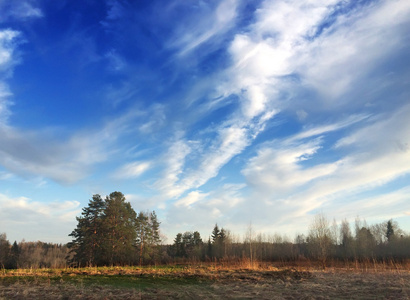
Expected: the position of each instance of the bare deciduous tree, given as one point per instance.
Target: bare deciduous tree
(320, 238)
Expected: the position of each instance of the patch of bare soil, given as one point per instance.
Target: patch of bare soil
(229, 284)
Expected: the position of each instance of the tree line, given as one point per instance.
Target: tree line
(26, 255)
(109, 232)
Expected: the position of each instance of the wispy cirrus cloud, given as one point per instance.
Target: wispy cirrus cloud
(357, 41)
(62, 157)
(190, 199)
(21, 10)
(262, 59)
(174, 160)
(256, 60)
(9, 40)
(372, 158)
(209, 24)
(132, 170)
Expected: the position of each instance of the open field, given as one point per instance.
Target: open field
(205, 282)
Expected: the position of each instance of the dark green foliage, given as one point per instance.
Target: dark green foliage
(218, 242)
(390, 231)
(178, 246)
(118, 227)
(14, 255)
(188, 245)
(109, 232)
(197, 239)
(87, 245)
(215, 234)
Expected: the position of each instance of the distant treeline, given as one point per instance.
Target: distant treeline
(26, 255)
(324, 242)
(110, 232)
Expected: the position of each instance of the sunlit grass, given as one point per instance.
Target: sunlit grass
(208, 269)
(243, 279)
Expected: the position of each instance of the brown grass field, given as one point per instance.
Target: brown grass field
(211, 281)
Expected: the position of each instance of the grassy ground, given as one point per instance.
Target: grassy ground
(205, 282)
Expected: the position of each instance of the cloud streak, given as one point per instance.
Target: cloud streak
(212, 24)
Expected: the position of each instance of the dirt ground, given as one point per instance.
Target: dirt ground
(218, 284)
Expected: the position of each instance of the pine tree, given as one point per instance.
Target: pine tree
(88, 236)
(119, 229)
(143, 235)
(105, 233)
(155, 239)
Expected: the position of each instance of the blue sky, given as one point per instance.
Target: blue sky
(230, 112)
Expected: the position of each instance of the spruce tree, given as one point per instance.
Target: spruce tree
(390, 231)
(14, 255)
(178, 246)
(215, 234)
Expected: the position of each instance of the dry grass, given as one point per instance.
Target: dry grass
(210, 281)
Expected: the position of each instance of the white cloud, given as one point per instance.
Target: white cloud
(388, 134)
(174, 160)
(132, 170)
(380, 207)
(318, 130)
(205, 161)
(144, 203)
(8, 58)
(21, 10)
(348, 50)
(230, 142)
(5, 175)
(331, 61)
(7, 47)
(206, 27)
(270, 50)
(156, 121)
(277, 170)
(267, 52)
(4, 103)
(51, 221)
(190, 199)
(62, 159)
(292, 20)
(370, 161)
